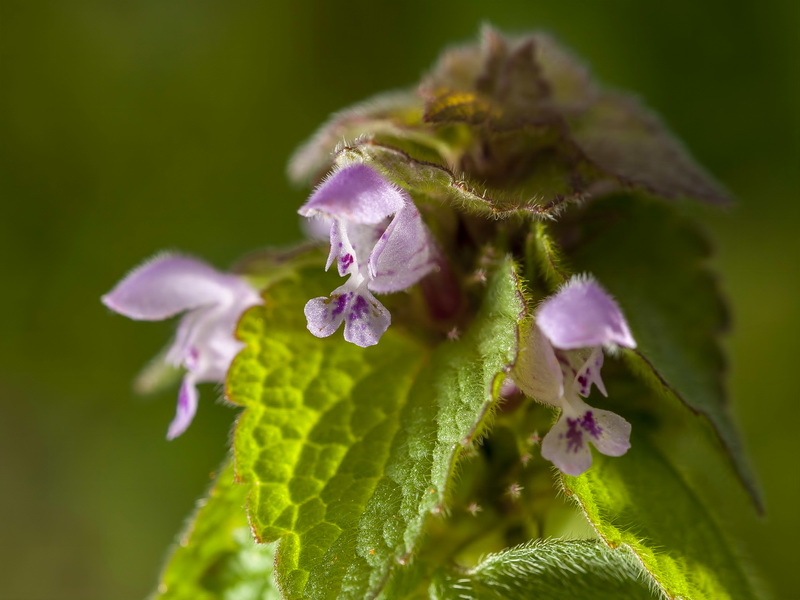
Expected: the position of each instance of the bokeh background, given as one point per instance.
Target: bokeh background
(129, 127)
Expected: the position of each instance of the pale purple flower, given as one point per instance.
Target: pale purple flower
(560, 361)
(204, 344)
(378, 240)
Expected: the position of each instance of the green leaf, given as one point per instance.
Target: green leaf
(652, 502)
(348, 451)
(623, 138)
(217, 558)
(543, 257)
(549, 570)
(652, 260)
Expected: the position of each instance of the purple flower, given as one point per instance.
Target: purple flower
(560, 361)
(204, 344)
(378, 240)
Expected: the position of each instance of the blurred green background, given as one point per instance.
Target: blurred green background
(129, 127)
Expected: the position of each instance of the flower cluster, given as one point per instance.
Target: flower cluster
(560, 362)
(380, 243)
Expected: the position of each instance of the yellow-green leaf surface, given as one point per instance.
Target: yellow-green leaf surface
(549, 570)
(217, 558)
(653, 261)
(347, 451)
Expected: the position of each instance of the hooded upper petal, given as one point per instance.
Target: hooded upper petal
(582, 314)
(355, 193)
(170, 284)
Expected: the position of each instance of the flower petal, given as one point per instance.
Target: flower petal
(351, 245)
(366, 320)
(355, 193)
(614, 435)
(167, 285)
(566, 445)
(536, 371)
(317, 228)
(403, 255)
(582, 314)
(205, 342)
(340, 245)
(217, 346)
(325, 315)
(183, 352)
(589, 373)
(187, 407)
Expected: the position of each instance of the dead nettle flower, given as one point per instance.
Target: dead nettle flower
(560, 361)
(377, 238)
(204, 344)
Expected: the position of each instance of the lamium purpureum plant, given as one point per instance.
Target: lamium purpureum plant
(496, 246)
